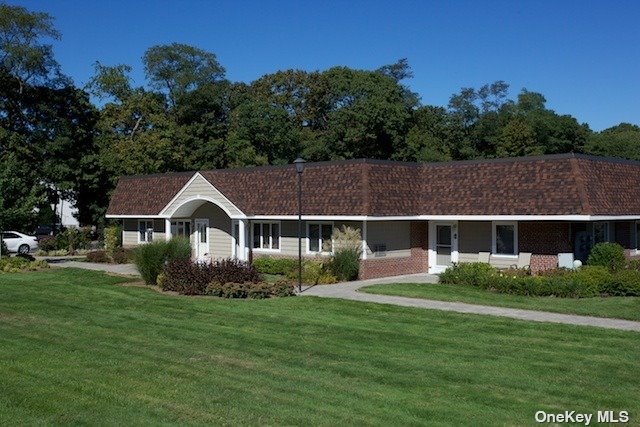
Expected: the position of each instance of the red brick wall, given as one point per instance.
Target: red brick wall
(372, 268)
(544, 240)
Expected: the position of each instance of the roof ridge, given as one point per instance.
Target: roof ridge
(576, 170)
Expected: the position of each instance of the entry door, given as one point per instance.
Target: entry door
(444, 245)
(202, 237)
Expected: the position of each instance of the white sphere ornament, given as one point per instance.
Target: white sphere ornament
(577, 264)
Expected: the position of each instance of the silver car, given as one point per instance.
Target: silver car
(18, 242)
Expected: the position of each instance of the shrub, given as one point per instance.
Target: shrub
(269, 265)
(19, 264)
(112, 236)
(27, 257)
(97, 256)
(258, 290)
(71, 239)
(48, 243)
(4, 250)
(151, 257)
(345, 264)
(606, 254)
(347, 238)
(122, 256)
(586, 282)
(623, 283)
(313, 273)
(476, 274)
(189, 278)
(234, 271)
(633, 264)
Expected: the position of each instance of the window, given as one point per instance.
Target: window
(600, 232)
(266, 236)
(320, 237)
(180, 228)
(8, 235)
(505, 238)
(145, 231)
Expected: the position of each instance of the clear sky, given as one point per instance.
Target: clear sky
(584, 56)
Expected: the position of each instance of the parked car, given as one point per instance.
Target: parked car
(19, 242)
(47, 230)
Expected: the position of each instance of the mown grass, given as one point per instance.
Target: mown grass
(617, 307)
(77, 348)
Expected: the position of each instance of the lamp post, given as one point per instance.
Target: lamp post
(299, 162)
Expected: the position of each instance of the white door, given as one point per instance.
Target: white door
(202, 238)
(443, 245)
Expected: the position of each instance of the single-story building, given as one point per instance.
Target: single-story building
(413, 217)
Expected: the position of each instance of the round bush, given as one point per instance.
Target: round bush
(606, 254)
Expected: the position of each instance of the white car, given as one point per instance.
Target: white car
(18, 242)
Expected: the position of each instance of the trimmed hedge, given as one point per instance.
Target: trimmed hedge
(258, 290)
(97, 256)
(269, 265)
(588, 281)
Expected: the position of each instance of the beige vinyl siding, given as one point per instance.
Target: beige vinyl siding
(130, 231)
(219, 230)
(475, 237)
(395, 234)
(289, 237)
(201, 187)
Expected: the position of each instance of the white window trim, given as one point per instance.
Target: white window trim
(140, 221)
(184, 221)
(494, 249)
(270, 248)
(320, 252)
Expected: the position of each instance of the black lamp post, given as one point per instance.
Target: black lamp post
(299, 162)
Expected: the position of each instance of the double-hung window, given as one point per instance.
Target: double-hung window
(180, 228)
(505, 238)
(145, 230)
(266, 236)
(319, 234)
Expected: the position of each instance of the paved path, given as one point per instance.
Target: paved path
(349, 291)
(126, 269)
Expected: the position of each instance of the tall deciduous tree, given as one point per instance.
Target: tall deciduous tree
(176, 69)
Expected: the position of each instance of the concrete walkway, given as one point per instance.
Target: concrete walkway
(349, 291)
(124, 269)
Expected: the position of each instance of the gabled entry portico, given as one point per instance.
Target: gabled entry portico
(218, 227)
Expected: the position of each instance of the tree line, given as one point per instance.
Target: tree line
(56, 137)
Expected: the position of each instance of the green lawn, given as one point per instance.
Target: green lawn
(77, 348)
(619, 307)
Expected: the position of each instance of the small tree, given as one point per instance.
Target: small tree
(111, 239)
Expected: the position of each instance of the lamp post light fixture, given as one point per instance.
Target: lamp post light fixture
(299, 163)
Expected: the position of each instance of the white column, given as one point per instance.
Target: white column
(167, 229)
(364, 239)
(242, 225)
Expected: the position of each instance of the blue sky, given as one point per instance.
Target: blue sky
(584, 56)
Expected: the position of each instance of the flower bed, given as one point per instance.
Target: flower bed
(227, 278)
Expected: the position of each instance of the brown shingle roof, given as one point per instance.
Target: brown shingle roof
(565, 184)
(146, 194)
